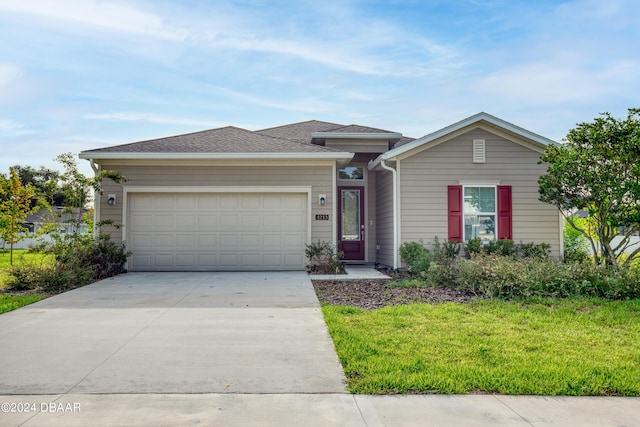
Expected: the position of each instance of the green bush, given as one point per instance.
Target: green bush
(534, 250)
(79, 260)
(493, 276)
(506, 247)
(417, 257)
(576, 246)
(324, 258)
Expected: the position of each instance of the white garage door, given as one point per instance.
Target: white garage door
(205, 231)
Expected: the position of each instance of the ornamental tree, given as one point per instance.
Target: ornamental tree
(597, 169)
(15, 205)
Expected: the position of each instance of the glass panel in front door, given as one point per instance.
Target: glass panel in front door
(350, 215)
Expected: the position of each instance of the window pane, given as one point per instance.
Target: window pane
(487, 200)
(354, 173)
(479, 199)
(480, 226)
(350, 215)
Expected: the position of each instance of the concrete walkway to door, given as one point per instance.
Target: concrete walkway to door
(173, 333)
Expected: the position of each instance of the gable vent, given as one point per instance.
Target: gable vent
(478, 151)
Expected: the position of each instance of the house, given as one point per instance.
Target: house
(42, 223)
(234, 199)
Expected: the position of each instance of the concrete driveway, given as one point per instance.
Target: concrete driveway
(172, 333)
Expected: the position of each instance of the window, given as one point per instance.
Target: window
(479, 211)
(479, 207)
(351, 173)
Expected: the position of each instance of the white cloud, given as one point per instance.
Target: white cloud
(8, 73)
(307, 105)
(150, 118)
(91, 14)
(9, 128)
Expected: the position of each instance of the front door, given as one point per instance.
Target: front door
(351, 223)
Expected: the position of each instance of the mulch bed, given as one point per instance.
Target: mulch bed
(374, 294)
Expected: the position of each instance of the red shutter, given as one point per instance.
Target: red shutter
(504, 212)
(454, 194)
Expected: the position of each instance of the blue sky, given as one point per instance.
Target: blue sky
(82, 74)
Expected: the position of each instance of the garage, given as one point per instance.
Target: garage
(216, 231)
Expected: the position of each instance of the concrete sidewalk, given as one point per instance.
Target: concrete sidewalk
(321, 410)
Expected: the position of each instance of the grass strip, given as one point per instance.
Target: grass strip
(569, 347)
(13, 302)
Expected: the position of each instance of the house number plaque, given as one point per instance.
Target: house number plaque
(322, 217)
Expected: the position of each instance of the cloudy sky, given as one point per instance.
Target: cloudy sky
(82, 74)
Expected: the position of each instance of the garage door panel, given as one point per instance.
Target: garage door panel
(164, 201)
(272, 240)
(294, 240)
(186, 201)
(230, 202)
(272, 220)
(299, 203)
(186, 222)
(163, 221)
(141, 241)
(186, 241)
(186, 260)
(207, 201)
(294, 222)
(142, 202)
(208, 231)
(229, 221)
(228, 241)
(206, 241)
(292, 260)
(163, 260)
(142, 221)
(207, 222)
(251, 221)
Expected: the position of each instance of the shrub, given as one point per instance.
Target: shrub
(576, 246)
(79, 260)
(324, 258)
(493, 276)
(416, 256)
(534, 250)
(506, 247)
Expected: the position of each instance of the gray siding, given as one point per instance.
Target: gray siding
(384, 214)
(319, 177)
(425, 176)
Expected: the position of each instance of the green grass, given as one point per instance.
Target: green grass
(20, 257)
(552, 347)
(13, 302)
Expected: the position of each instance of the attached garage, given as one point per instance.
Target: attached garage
(217, 231)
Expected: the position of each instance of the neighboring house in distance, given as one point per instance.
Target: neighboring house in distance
(234, 199)
(62, 221)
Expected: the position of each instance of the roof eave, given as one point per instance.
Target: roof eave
(356, 135)
(88, 155)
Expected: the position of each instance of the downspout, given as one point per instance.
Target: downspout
(96, 199)
(396, 249)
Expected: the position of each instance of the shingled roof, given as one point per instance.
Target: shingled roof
(299, 132)
(228, 139)
(292, 140)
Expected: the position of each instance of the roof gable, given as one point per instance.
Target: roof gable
(483, 120)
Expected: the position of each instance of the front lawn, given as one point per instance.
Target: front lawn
(10, 302)
(573, 346)
(20, 257)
